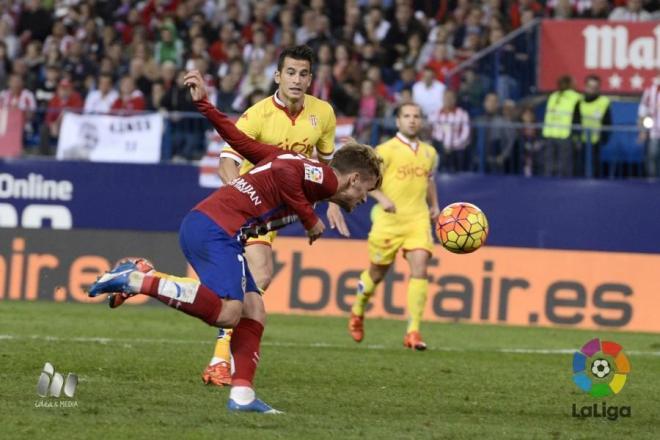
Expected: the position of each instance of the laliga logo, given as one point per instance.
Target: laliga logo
(601, 369)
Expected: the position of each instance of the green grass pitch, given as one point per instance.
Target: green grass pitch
(139, 370)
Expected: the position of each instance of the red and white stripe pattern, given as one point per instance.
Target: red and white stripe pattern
(24, 101)
(452, 128)
(649, 107)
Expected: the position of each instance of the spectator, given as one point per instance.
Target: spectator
(130, 99)
(375, 26)
(428, 92)
(519, 6)
(649, 120)
(322, 85)
(77, 66)
(16, 96)
(34, 22)
(401, 29)
(186, 134)
(256, 49)
(8, 40)
(5, 65)
(370, 107)
(631, 12)
(46, 89)
(594, 114)
(259, 21)
(255, 79)
(170, 47)
(497, 135)
(451, 134)
(308, 29)
(405, 81)
(599, 10)
(66, 98)
(137, 71)
(227, 94)
(218, 49)
(530, 144)
(560, 114)
(101, 100)
(442, 64)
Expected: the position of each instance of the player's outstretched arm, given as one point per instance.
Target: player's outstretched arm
(250, 149)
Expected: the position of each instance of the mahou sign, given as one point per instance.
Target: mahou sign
(625, 55)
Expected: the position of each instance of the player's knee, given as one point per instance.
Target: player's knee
(263, 280)
(230, 314)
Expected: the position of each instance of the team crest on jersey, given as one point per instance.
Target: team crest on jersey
(313, 120)
(313, 174)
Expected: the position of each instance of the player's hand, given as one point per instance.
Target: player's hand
(336, 219)
(315, 232)
(388, 205)
(194, 81)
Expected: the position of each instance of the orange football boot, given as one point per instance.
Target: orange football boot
(356, 327)
(414, 341)
(217, 374)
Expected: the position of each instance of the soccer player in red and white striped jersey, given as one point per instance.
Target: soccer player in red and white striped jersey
(451, 133)
(649, 119)
(18, 97)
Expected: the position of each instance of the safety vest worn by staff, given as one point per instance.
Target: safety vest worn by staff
(592, 117)
(559, 114)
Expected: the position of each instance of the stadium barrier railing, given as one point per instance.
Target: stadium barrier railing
(504, 147)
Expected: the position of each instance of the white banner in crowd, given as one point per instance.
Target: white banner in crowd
(105, 138)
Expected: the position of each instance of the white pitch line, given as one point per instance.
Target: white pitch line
(101, 340)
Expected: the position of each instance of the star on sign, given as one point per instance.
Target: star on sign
(636, 81)
(615, 81)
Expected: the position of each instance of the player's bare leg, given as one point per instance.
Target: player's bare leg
(184, 294)
(260, 261)
(418, 260)
(369, 279)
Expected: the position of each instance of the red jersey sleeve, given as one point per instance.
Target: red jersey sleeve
(288, 176)
(253, 151)
(302, 184)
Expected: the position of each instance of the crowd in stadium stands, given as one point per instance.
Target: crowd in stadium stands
(123, 56)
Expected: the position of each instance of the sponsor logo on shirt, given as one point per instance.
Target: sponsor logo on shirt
(313, 174)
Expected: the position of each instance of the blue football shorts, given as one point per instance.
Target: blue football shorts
(216, 257)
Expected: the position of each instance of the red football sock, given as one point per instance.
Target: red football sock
(206, 305)
(245, 341)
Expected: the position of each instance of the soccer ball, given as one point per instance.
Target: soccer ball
(600, 368)
(462, 228)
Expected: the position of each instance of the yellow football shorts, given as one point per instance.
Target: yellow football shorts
(385, 242)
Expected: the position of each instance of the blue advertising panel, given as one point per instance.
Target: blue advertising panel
(608, 215)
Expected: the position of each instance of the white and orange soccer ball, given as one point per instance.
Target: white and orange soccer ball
(462, 228)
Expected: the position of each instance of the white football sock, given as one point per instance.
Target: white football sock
(242, 395)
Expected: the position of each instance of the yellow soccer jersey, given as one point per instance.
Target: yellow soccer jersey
(406, 171)
(269, 121)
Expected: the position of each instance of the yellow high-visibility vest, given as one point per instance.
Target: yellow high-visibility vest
(559, 114)
(592, 117)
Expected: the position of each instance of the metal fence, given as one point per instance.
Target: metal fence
(503, 147)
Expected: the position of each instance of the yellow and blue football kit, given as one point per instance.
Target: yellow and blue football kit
(407, 168)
